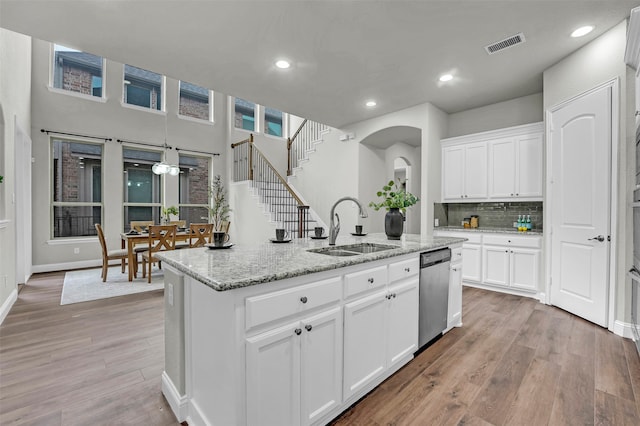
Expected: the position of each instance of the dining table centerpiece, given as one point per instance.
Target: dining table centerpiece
(395, 199)
(167, 212)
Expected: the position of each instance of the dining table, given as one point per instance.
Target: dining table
(129, 241)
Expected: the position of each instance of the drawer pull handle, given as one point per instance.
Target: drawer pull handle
(308, 327)
(407, 269)
(370, 280)
(298, 331)
(388, 296)
(303, 299)
(459, 254)
(394, 295)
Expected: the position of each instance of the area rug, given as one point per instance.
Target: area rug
(85, 285)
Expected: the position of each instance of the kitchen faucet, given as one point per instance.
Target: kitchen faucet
(334, 229)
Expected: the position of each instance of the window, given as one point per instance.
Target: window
(194, 189)
(142, 88)
(194, 101)
(77, 71)
(77, 188)
(273, 122)
(245, 115)
(142, 188)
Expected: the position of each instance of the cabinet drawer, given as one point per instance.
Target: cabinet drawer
(359, 282)
(456, 255)
(404, 269)
(281, 304)
(513, 241)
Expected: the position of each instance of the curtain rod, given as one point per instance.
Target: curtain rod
(165, 146)
(215, 154)
(49, 132)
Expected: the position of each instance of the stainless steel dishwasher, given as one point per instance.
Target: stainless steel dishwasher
(434, 294)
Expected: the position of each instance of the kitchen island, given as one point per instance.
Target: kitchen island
(278, 334)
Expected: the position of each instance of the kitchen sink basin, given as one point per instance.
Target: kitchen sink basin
(352, 249)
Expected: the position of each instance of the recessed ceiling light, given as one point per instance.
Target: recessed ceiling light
(582, 31)
(282, 64)
(371, 104)
(446, 77)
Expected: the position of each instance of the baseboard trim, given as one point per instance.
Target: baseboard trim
(515, 292)
(67, 266)
(6, 306)
(178, 403)
(622, 329)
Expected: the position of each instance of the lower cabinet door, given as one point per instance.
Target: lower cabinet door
(472, 262)
(402, 330)
(454, 317)
(273, 376)
(364, 341)
(321, 364)
(496, 265)
(525, 264)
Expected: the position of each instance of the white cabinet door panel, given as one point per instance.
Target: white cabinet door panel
(402, 334)
(321, 364)
(273, 377)
(525, 264)
(529, 171)
(496, 265)
(475, 171)
(472, 262)
(454, 318)
(502, 168)
(364, 341)
(453, 173)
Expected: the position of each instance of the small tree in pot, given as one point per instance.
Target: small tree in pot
(395, 200)
(219, 206)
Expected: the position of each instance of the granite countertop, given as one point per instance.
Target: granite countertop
(247, 265)
(486, 229)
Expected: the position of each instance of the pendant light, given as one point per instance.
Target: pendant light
(162, 167)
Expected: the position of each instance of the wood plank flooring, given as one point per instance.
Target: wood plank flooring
(514, 362)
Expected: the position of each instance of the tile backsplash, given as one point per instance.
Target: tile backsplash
(490, 215)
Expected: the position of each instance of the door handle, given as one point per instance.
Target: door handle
(599, 238)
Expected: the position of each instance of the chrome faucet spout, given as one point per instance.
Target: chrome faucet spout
(333, 228)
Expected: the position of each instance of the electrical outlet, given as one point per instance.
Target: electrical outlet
(436, 222)
(515, 224)
(76, 250)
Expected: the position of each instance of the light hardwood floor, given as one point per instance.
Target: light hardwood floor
(514, 362)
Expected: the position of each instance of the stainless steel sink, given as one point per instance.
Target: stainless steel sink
(352, 249)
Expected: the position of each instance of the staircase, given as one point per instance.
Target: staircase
(283, 205)
(303, 142)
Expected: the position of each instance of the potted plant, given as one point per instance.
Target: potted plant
(219, 207)
(167, 212)
(395, 200)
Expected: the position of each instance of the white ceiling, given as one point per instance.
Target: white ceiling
(343, 52)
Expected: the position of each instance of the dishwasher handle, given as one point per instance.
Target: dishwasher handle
(435, 257)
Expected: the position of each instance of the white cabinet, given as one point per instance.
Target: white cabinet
(503, 164)
(472, 262)
(515, 168)
(294, 372)
(454, 312)
(381, 330)
(511, 261)
(464, 172)
(364, 341)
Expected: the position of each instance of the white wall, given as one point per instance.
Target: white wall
(514, 112)
(63, 112)
(596, 63)
(249, 224)
(433, 124)
(15, 106)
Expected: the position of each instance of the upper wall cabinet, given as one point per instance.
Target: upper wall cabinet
(500, 165)
(464, 172)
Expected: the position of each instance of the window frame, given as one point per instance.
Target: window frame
(210, 119)
(256, 116)
(155, 206)
(52, 69)
(163, 90)
(181, 177)
(54, 203)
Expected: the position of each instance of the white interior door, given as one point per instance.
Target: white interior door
(23, 204)
(580, 145)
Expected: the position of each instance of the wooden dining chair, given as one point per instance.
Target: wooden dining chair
(161, 238)
(108, 255)
(140, 225)
(201, 234)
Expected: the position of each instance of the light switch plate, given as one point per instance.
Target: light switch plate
(436, 222)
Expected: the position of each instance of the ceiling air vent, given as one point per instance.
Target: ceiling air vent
(505, 44)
